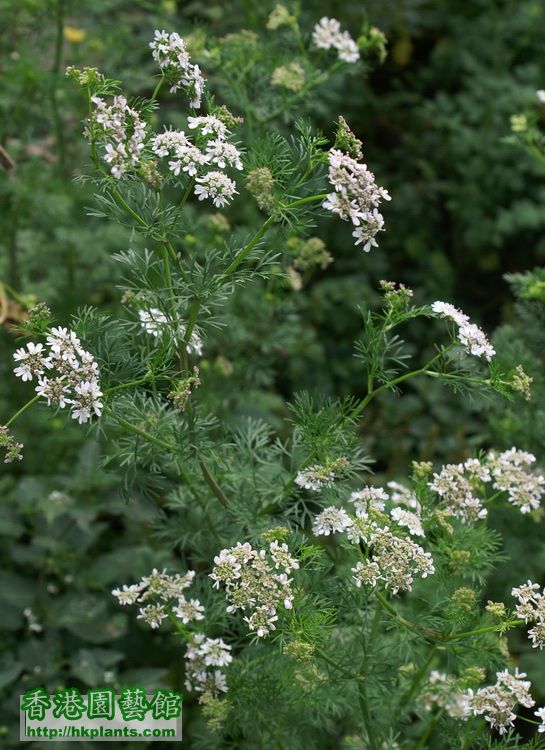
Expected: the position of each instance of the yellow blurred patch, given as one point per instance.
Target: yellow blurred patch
(402, 50)
(74, 35)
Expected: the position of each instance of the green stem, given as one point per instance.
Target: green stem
(187, 479)
(468, 741)
(157, 88)
(325, 656)
(417, 679)
(22, 410)
(55, 70)
(482, 631)
(130, 384)
(192, 318)
(385, 604)
(308, 199)
(428, 730)
(375, 626)
(362, 694)
(123, 203)
(212, 483)
(142, 433)
(179, 626)
(247, 249)
(425, 370)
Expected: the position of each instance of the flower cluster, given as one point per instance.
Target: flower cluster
(472, 338)
(524, 488)
(11, 447)
(319, 476)
(216, 186)
(443, 690)
(66, 373)
(290, 77)
(252, 583)
(459, 485)
(356, 197)
(161, 589)
(531, 608)
(393, 559)
(402, 495)
(203, 656)
(122, 131)
(497, 702)
(170, 52)
(156, 323)
(327, 34)
(183, 389)
(185, 156)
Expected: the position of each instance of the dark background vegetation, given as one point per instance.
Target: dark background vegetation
(467, 209)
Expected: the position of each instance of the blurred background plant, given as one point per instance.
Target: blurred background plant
(433, 105)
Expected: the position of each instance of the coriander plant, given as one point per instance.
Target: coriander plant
(310, 605)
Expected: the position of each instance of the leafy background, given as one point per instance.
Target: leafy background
(465, 224)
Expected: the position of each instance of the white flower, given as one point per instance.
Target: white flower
(510, 474)
(531, 608)
(73, 375)
(223, 154)
(252, 585)
(155, 322)
(356, 197)
(398, 559)
(331, 520)
(458, 493)
(497, 702)
(188, 610)
(262, 621)
(186, 157)
(470, 335)
(54, 390)
(540, 713)
(402, 495)
(195, 344)
(86, 401)
(122, 131)
(408, 519)
(347, 48)
(226, 568)
(446, 310)
(153, 614)
(326, 32)
(368, 497)
(202, 655)
(475, 341)
(281, 556)
(128, 594)
(170, 53)
(316, 477)
(208, 125)
(217, 186)
(540, 93)
(216, 652)
(32, 361)
(366, 574)
(373, 223)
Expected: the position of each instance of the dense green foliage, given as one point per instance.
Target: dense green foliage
(296, 339)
